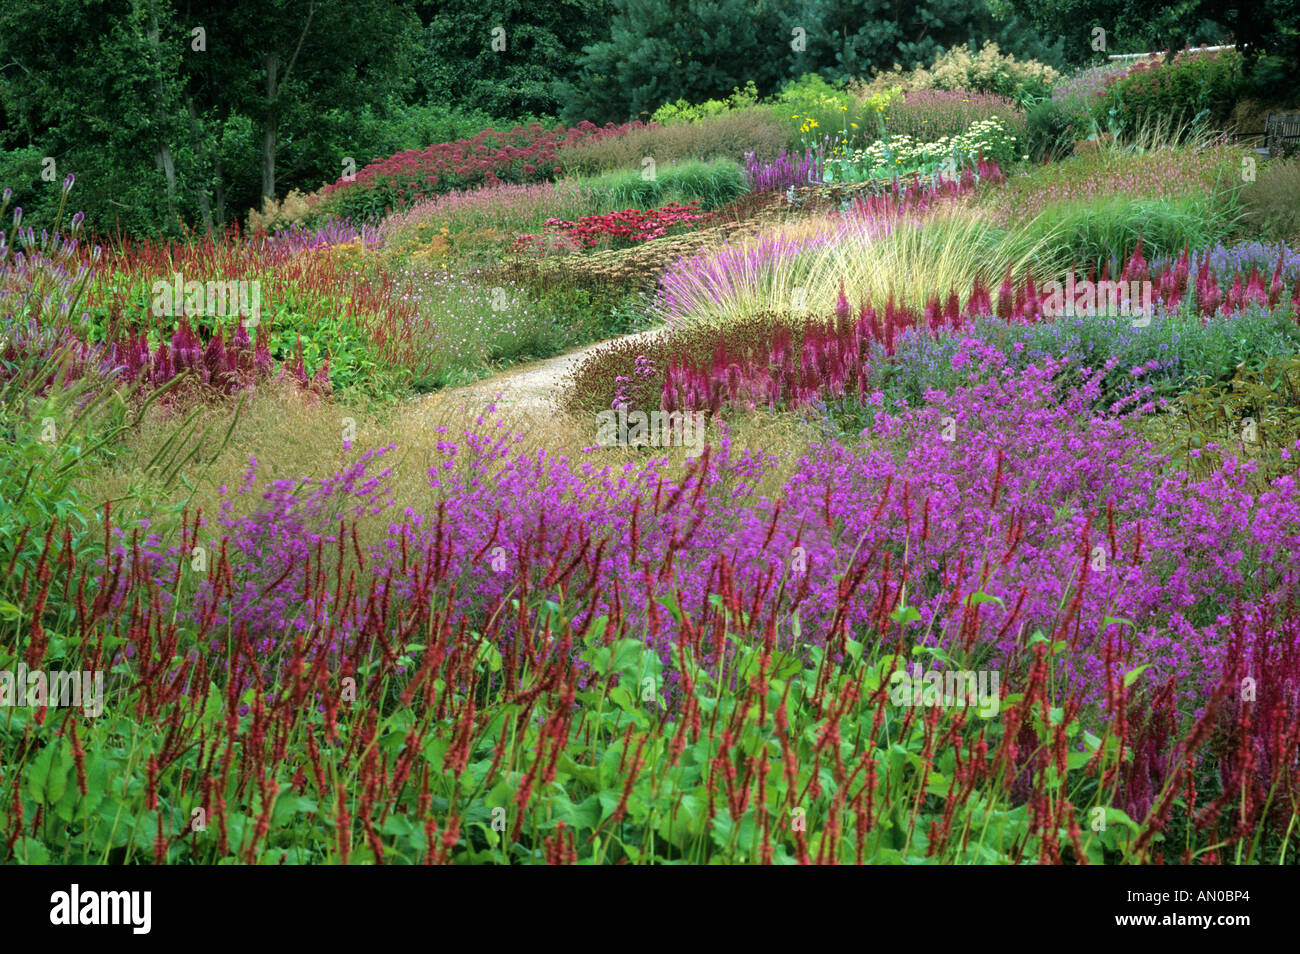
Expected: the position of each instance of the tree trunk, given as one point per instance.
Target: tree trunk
(270, 128)
(220, 197)
(163, 156)
(200, 149)
(269, 136)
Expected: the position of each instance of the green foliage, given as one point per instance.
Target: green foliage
(683, 112)
(20, 170)
(699, 50)
(1212, 421)
(1096, 231)
(509, 316)
(542, 43)
(397, 126)
(168, 130)
(660, 53)
(1051, 130)
(850, 39)
(824, 113)
(1132, 26)
(638, 785)
(712, 184)
(1187, 87)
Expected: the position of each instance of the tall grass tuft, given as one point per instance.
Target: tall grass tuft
(712, 184)
(726, 136)
(1094, 232)
(803, 271)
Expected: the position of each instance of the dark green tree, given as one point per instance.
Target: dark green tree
(663, 50)
(288, 64)
(854, 38)
(512, 72)
(97, 89)
(660, 51)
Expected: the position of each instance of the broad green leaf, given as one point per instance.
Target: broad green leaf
(1131, 676)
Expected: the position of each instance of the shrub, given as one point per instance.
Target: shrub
(1185, 87)
(293, 210)
(403, 126)
(683, 112)
(987, 71)
(1051, 131)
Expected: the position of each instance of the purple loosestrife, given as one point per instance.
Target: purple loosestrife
(1068, 521)
(786, 170)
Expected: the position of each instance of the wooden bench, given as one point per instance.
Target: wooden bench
(1281, 134)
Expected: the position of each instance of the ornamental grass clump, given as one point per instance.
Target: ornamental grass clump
(874, 256)
(1212, 171)
(508, 208)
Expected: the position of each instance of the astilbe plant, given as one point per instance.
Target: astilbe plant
(311, 289)
(812, 359)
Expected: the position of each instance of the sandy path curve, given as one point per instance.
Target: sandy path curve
(532, 388)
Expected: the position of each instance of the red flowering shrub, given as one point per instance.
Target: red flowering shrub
(1183, 86)
(519, 155)
(619, 228)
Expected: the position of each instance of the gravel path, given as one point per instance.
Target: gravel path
(530, 388)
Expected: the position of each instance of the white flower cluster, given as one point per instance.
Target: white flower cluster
(983, 137)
